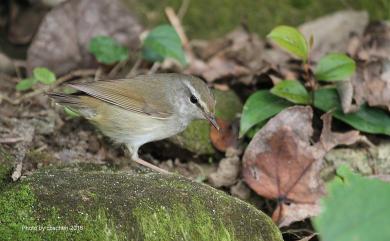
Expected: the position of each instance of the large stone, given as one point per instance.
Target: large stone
(74, 204)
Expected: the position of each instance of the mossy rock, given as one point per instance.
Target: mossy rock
(196, 138)
(6, 166)
(62, 204)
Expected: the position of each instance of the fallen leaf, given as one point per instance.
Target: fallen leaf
(61, 43)
(371, 83)
(289, 213)
(280, 162)
(344, 23)
(237, 54)
(376, 41)
(374, 87)
(226, 136)
(308, 237)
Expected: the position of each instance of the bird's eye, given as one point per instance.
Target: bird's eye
(193, 99)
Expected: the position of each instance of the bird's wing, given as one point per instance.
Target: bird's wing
(137, 95)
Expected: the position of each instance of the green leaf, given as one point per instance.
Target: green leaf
(335, 67)
(107, 50)
(260, 106)
(367, 119)
(355, 209)
(291, 40)
(163, 42)
(291, 90)
(44, 75)
(25, 84)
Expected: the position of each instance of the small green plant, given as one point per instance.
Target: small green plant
(107, 50)
(333, 67)
(163, 42)
(355, 208)
(40, 75)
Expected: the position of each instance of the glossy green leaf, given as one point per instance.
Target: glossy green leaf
(25, 84)
(355, 209)
(163, 42)
(335, 67)
(259, 107)
(367, 119)
(44, 75)
(107, 50)
(291, 90)
(291, 40)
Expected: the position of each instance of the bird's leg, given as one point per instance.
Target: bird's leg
(151, 166)
(135, 157)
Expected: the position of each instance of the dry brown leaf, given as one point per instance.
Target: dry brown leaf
(376, 41)
(371, 83)
(289, 213)
(62, 39)
(237, 54)
(280, 162)
(308, 238)
(344, 23)
(226, 137)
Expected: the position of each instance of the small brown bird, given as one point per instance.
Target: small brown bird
(142, 109)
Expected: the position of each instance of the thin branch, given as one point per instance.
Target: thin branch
(154, 68)
(11, 140)
(176, 23)
(183, 9)
(134, 68)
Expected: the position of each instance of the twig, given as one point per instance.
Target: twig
(17, 172)
(176, 23)
(154, 68)
(114, 71)
(11, 140)
(98, 73)
(71, 75)
(183, 9)
(134, 68)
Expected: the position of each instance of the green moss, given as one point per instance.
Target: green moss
(6, 166)
(16, 214)
(20, 220)
(83, 227)
(195, 138)
(228, 104)
(260, 16)
(78, 205)
(177, 223)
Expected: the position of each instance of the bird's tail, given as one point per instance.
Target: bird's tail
(66, 100)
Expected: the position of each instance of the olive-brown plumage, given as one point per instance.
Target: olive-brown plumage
(142, 109)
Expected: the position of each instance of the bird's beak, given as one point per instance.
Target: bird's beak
(212, 120)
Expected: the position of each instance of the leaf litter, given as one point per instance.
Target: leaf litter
(281, 163)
